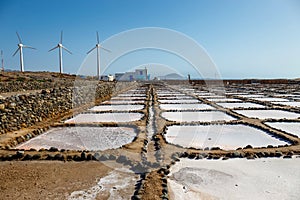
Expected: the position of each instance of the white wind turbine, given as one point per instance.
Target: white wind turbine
(60, 48)
(98, 46)
(20, 48)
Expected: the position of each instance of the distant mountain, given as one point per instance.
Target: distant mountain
(172, 76)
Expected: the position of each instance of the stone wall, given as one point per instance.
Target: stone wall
(15, 86)
(21, 111)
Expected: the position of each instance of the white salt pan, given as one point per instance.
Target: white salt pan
(179, 101)
(207, 116)
(82, 138)
(127, 98)
(127, 107)
(240, 105)
(290, 103)
(251, 95)
(124, 102)
(227, 137)
(186, 107)
(270, 99)
(235, 179)
(223, 100)
(268, 114)
(105, 117)
(289, 127)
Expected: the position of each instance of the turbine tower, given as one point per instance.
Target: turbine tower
(98, 46)
(20, 49)
(2, 61)
(60, 48)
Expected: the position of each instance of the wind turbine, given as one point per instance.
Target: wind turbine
(98, 46)
(60, 48)
(20, 48)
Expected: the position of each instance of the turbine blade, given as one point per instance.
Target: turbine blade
(61, 36)
(29, 47)
(16, 51)
(97, 38)
(91, 50)
(53, 48)
(19, 37)
(67, 50)
(105, 49)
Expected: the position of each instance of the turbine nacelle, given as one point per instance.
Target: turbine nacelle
(20, 45)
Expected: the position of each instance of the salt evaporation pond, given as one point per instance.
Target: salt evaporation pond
(186, 107)
(289, 127)
(240, 105)
(179, 101)
(270, 99)
(207, 116)
(170, 95)
(82, 138)
(127, 98)
(289, 103)
(237, 179)
(251, 95)
(127, 107)
(177, 97)
(223, 100)
(268, 114)
(105, 117)
(211, 96)
(227, 137)
(124, 102)
(132, 95)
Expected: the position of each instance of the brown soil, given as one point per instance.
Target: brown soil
(153, 187)
(47, 179)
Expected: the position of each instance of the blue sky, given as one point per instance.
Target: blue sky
(245, 39)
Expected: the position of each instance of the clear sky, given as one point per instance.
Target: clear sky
(245, 39)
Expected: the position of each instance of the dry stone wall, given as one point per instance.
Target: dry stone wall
(20, 111)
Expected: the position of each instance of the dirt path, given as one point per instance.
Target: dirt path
(47, 179)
